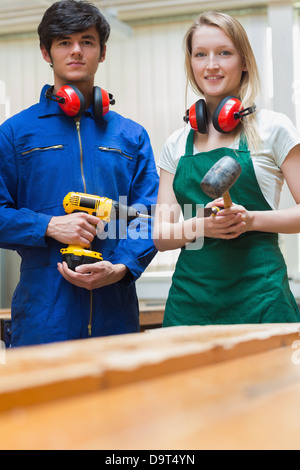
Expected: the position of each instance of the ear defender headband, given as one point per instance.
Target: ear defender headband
(72, 102)
(226, 117)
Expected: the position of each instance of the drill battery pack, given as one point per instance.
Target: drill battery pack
(76, 256)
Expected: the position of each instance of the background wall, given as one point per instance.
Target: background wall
(144, 71)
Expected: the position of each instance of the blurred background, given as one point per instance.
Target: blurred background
(144, 71)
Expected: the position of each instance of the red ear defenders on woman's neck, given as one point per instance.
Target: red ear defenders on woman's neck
(72, 101)
(226, 117)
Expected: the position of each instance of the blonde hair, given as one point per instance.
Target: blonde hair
(250, 81)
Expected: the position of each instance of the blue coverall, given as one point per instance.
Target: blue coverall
(44, 154)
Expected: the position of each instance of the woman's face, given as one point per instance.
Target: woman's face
(217, 65)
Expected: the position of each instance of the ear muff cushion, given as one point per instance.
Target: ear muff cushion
(101, 102)
(97, 103)
(74, 104)
(198, 117)
(201, 115)
(224, 116)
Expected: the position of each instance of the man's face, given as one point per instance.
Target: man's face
(75, 58)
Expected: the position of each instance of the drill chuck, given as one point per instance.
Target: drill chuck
(129, 213)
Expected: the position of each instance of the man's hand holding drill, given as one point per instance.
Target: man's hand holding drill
(77, 228)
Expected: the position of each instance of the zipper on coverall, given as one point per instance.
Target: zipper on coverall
(84, 186)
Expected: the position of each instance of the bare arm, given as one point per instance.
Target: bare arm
(277, 221)
(170, 233)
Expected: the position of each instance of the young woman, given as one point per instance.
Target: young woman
(239, 275)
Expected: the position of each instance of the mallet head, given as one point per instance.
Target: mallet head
(222, 175)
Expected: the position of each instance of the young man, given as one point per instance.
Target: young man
(45, 154)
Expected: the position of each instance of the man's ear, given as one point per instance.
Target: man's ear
(46, 54)
(102, 58)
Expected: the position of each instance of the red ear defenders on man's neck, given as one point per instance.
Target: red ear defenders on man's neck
(226, 117)
(72, 101)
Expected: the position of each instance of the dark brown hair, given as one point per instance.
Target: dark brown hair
(69, 17)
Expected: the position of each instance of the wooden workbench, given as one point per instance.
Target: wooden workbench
(227, 387)
(5, 313)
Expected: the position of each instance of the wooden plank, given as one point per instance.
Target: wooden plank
(244, 403)
(46, 373)
(151, 317)
(5, 313)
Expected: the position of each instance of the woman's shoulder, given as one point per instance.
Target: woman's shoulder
(278, 134)
(174, 149)
(179, 136)
(276, 128)
(176, 142)
(269, 119)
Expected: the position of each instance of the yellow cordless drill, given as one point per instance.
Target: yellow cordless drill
(102, 207)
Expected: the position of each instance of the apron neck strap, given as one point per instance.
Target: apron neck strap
(189, 148)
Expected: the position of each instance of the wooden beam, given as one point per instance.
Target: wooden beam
(42, 374)
(246, 403)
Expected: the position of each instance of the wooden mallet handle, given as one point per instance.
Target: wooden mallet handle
(227, 200)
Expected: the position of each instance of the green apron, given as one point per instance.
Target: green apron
(243, 280)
